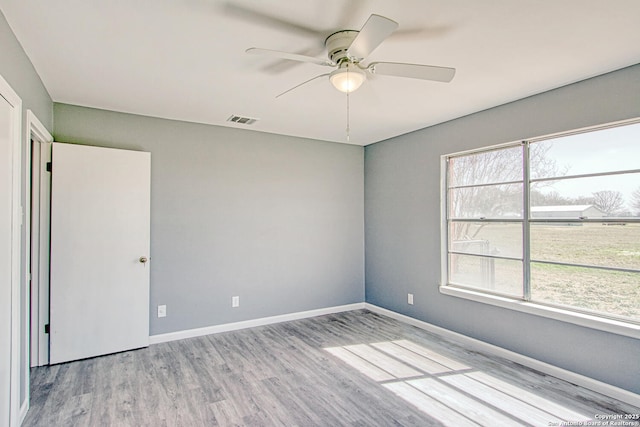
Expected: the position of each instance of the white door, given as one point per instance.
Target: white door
(100, 227)
(10, 115)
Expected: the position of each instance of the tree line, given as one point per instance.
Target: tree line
(611, 202)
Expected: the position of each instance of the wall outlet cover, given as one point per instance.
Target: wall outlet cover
(162, 311)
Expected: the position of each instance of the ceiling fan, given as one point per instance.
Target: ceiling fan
(347, 49)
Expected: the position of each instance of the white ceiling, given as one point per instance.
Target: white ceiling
(186, 60)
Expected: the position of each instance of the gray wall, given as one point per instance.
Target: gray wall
(17, 70)
(402, 226)
(275, 220)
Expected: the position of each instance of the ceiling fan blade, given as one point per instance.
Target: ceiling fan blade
(290, 56)
(280, 66)
(373, 32)
(303, 83)
(414, 71)
(269, 20)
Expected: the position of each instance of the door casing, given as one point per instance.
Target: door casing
(38, 194)
(10, 312)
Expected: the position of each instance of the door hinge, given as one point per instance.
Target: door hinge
(49, 166)
(46, 328)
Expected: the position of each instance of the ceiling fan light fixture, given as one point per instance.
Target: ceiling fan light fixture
(348, 78)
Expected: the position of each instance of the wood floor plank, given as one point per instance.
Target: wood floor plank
(527, 413)
(534, 399)
(396, 368)
(430, 406)
(462, 404)
(407, 356)
(306, 373)
(363, 366)
(431, 354)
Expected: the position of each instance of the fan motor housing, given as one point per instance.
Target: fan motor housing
(338, 43)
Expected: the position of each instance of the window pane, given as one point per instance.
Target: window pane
(613, 292)
(605, 150)
(504, 165)
(495, 201)
(614, 195)
(486, 238)
(604, 245)
(496, 275)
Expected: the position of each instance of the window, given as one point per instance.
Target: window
(554, 222)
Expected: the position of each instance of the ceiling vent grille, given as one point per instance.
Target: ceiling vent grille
(242, 120)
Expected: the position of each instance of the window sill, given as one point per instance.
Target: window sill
(594, 322)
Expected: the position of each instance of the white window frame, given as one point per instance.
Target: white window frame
(564, 314)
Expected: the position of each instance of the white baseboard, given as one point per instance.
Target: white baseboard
(23, 412)
(572, 377)
(563, 374)
(227, 327)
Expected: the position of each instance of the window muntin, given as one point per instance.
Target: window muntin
(577, 247)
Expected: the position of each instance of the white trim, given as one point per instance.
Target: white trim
(227, 327)
(34, 127)
(444, 232)
(37, 128)
(24, 408)
(33, 238)
(617, 327)
(36, 252)
(563, 374)
(16, 248)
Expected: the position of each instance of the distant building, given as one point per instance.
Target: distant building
(567, 211)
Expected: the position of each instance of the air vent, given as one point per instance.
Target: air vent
(242, 120)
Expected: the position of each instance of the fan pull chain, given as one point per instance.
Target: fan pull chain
(348, 124)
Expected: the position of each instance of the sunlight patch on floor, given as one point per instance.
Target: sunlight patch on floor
(395, 367)
(450, 391)
(428, 405)
(461, 403)
(360, 364)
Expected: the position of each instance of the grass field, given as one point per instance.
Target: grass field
(612, 292)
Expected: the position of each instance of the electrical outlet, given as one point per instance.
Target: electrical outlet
(410, 299)
(235, 301)
(162, 311)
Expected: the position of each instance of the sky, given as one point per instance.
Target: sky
(607, 150)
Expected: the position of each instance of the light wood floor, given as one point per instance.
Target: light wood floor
(355, 369)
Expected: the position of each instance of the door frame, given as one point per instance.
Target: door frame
(13, 352)
(37, 194)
